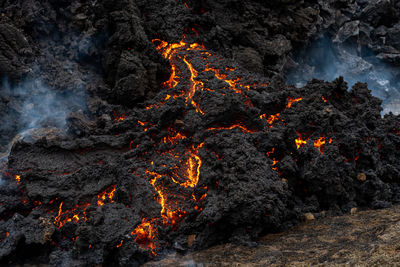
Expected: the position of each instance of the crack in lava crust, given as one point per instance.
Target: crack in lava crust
(172, 158)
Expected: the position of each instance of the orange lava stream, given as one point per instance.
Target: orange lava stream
(120, 244)
(243, 128)
(233, 83)
(194, 85)
(117, 117)
(146, 234)
(75, 215)
(194, 165)
(191, 170)
(186, 171)
(300, 141)
(18, 178)
(320, 143)
(173, 136)
(78, 213)
(109, 193)
(173, 52)
(293, 100)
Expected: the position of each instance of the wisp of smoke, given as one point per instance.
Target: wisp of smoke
(326, 60)
(36, 106)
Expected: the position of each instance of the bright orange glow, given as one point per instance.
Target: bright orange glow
(293, 100)
(195, 84)
(146, 234)
(120, 244)
(70, 215)
(107, 194)
(233, 83)
(193, 167)
(173, 52)
(18, 178)
(78, 213)
(273, 118)
(241, 127)
(121, 118)
(300, 141)
(270, 119)
(144, 124)
(173, 80)
(167, 213)
(324, 99)
(320, 143)
(117, 117)
(190, 169)
(190, 67)
(271, 152)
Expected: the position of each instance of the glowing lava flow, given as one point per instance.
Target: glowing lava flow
(185, 164)
(194, 85)
(318, 143)
(179, 56)
(146, 234)
(241, 127)
(270, 119)
(117, 117)
(293, 100)
(78, 213)
(189, 170)
(109, 193)
(193, 166)
(187, 175)
(300, 142)
(173, 136)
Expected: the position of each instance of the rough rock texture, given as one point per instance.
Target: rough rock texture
(367, 238)
(175, 129)
(360, 41)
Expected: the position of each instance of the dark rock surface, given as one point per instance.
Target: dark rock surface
(367, 238)
(176, 130)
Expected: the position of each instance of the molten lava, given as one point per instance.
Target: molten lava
(18, 178)
(320, 143)
(146, 235)
(244, 129)
(293, 100)
(108, 194)
(300, 141)
(78, 213)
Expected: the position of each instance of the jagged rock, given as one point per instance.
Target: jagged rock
(349, 29)
(182, 126)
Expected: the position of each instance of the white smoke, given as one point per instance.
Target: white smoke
(327, 60)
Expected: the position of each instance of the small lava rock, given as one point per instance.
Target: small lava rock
(361, 177)
(309, 217)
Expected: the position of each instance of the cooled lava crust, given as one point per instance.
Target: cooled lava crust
(183, 147)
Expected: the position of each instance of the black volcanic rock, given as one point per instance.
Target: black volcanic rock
(180, 127)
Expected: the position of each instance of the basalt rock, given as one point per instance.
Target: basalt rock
(178, 124)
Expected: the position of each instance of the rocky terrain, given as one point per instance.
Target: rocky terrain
(367, 238)
(135, 128)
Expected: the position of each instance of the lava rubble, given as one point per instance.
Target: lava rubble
(189, 165)
(218, 154)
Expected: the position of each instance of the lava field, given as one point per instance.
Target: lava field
(134, 129)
